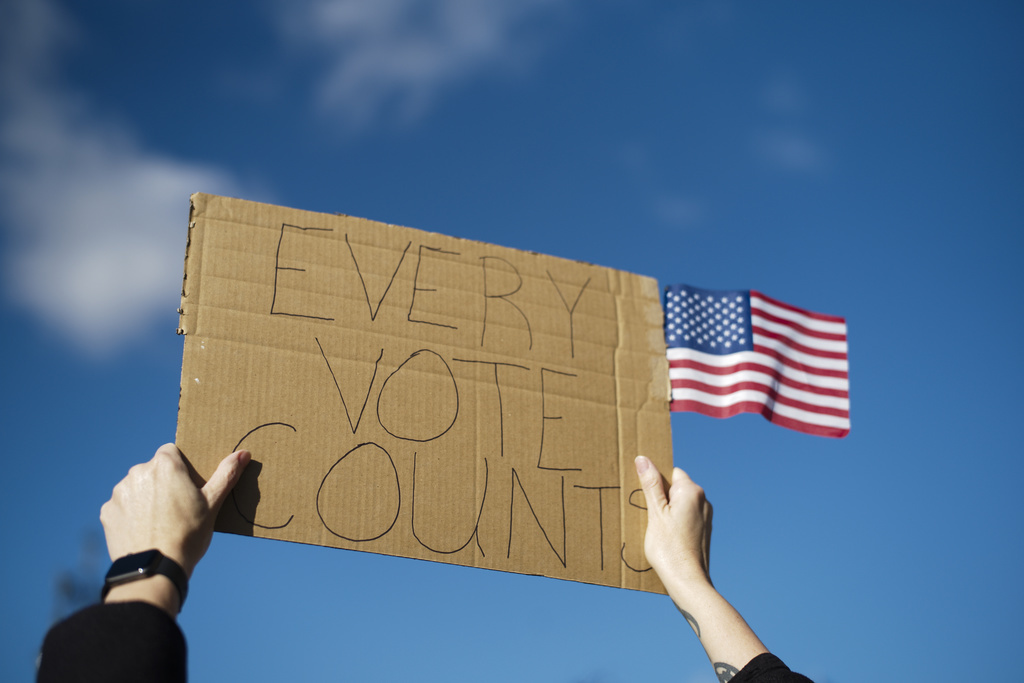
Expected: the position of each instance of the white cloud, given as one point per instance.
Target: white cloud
(677, 211)
(785, 142)
(402, 54)
(783, 95)
(791, 150)
(95, 223)
(669, 207)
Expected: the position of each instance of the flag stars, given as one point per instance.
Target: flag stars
(712, 322)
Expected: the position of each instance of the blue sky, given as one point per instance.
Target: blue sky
(860, 159)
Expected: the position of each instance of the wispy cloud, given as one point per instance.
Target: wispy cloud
(669, 206)
(782, 95)
(394, 58)
(791, 150)
(784, 140)
(678, 211)
(95, 222)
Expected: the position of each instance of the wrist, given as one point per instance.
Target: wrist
(150, 576)
(688, 591)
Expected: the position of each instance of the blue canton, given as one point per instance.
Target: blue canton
(708, 320)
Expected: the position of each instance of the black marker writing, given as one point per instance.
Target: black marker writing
(278, 268)
(511, 517)
(572, 309)
(476, 527)
(366, 457)
(497, 386)
(235, 500)
(375, 310)
(545, 417)
(398, 400)
(369, 386)
(600, 511)
(417, 288)
(504, 297)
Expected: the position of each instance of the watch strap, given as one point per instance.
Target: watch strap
(143, 565)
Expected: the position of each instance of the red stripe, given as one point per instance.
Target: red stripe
(751, 407)
(831, 336)
(802, 311)
(797, 365)
(774, 373)
(756, 386)
(839, 355)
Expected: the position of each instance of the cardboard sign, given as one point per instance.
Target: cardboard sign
(413, 394)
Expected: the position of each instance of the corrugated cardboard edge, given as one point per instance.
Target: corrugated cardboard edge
(641, 339)
(193, 250)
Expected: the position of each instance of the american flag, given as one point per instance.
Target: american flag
(740, 351)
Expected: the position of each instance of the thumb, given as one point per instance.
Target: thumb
(227, 474)
(652, 483)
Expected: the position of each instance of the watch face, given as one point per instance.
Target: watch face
(133, 566)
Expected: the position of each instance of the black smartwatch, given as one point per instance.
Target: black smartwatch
(142, 565)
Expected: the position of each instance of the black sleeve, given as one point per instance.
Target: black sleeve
(767, 668)
(120, 641)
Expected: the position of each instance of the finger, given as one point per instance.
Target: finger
(679, 475)
(227, 474)
(168, 450)
(167, 462)
(652, 483)
(679, 482)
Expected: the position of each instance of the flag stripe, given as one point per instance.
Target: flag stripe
(790, 356)
(769, 392)
(723, 364)
(806, 331)
(775, 418)
(723, 384)
(828, 386)
(814, 342)
(760, 397)
(815, 321)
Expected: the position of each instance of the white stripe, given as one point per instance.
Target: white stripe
(762, 398)
(760, 359)
(760, 378)
(799, 357)
(803, 339)
(786, 314)
(764, 359)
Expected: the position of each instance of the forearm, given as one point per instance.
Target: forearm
(727, 639)
(156, 590)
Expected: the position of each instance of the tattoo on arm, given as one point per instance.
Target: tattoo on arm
(725, 672)
(690, 620)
